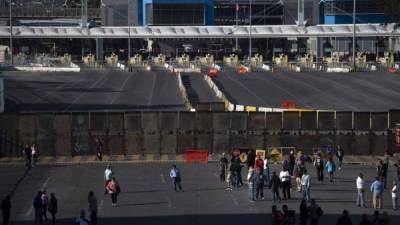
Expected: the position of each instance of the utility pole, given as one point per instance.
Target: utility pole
(354, 35)
(11, 33)
(237, 23)
(129, 33)
(250, 31)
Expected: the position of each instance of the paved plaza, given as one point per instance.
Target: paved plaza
(147, 196)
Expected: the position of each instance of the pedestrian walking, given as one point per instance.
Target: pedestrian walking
(259, 165)
(319, 167)
(113, 189)
(315, 212)
(381, 169)
(266, 170)
(298, 173)
(305, 186)
(339, 156)
(304, 214)
(292, 162)
(175, 175)
(251, 159)
(45, 201)
(99, 149)
(274, 185)
(259, 181)
(108, 175)
(330, 168)
(344, 219)
(92, 200)
(397, 165)
(360, 190)
(251, 182)
(35, 154)
(377, 190)
(53, 207)
(38, 207)
(28, 155)
(394, 195)
(6, 209)
(223, 167)
(81, 220)
(285, 180)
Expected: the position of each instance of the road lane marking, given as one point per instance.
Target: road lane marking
(152, 92)
(162, 178)
(235, 201)
(120, 89)
(28, 213)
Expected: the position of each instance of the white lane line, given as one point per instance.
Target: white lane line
(162, 178)
(28, 213)
(169, 202)
(85, 92)
(152, 91)
(120, 89)
(101, 205)
(235, 201)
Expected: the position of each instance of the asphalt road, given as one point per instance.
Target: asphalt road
(197, 89)
(106, 90)
(147, 197)
(371, 91)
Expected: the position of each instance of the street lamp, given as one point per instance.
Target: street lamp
(11, 32)
(354, 35)
(250, 31)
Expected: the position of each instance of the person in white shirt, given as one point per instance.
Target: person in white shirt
(266, 170)
(360, 190)
(305, 185)
(394, 195)
(285, 180)
(108, 175)
(175, 175)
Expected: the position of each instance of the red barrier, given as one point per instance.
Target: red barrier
(288, 104)
(392, 70)
(196, 155)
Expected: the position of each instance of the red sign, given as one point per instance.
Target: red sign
(397, 137)
(195, 155)
(392, 70)
(242, 70)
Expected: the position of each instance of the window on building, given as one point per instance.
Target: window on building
(175, 14)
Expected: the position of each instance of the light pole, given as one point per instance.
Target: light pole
(237, 23)
(250, 30)
(354, 35)
(129, 34)
(11, 32)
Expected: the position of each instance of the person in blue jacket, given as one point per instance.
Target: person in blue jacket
(330, 168)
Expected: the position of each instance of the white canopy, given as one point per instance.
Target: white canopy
(276, 31)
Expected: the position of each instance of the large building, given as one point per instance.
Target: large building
(341, 11)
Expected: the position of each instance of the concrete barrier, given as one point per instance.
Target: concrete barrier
(37, 68)
(337, 70)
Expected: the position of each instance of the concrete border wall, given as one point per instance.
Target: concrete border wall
(171, 133)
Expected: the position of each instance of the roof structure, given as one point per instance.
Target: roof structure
(265, 31)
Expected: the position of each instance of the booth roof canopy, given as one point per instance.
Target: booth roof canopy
(345, 30)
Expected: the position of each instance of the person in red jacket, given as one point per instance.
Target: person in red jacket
(259, 164)
(113, 189)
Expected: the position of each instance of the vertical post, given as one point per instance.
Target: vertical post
(11, 33)
(129, 33)
(300, 12)
(237, 23)
(84, 16)
(250, 30)
(354, 35)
